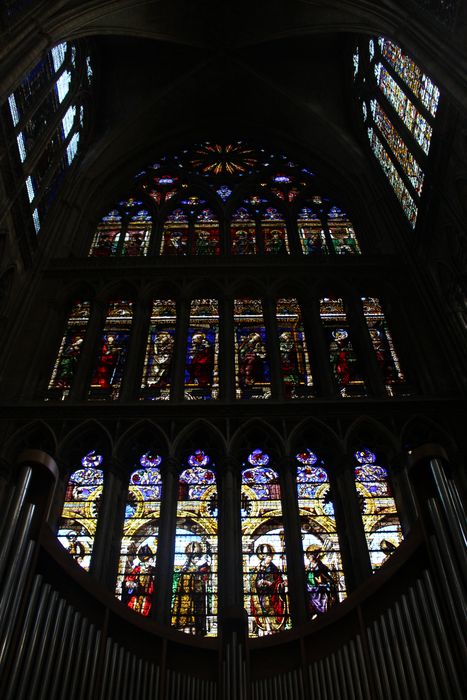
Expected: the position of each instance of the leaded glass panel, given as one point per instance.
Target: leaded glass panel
(108, 371)
(157, 372)
(252, 369)
(69, 352)
(296, 374)
(78, 522)
(379, 513)
(324, 576)
(138, 549)
(342, 356)
(202, 355)
(263, 546)
(383, 346)
(194, 586)
(342, 232)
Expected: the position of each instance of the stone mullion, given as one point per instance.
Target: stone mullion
(166, 543)
(81, 380)
(319, 352)
(292, 231)
(106, 550)
(365, 352)
(354, 549)
(272, 336)
(131, 385)
(293, 542)
(230, 580)
(183, 320)
(227, 352)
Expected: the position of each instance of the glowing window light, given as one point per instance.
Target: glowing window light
(58, 55)
(414, 121)
(63, 85)
(412, 75)
(13, 109)
(411, 168)
(402, 193)
(72, 148)
(21, 147)
(30, 188)
(68, 120)
(36, 220)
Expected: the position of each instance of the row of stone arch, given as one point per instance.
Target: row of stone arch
(333, 444)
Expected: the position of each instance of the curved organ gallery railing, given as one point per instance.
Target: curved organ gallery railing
(60, 634)
(258, 338)
(194, 597)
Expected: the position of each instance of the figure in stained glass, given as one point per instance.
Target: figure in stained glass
(253, 374)
(78, 521)
(201, 372)
(324, 578)
(190, 588)
(194, 583)
(108, 371)
(378, 509)
(70, 351)
(342, 356)
(243, 233)
(269, 588)
(157, 373)
(138, 554)
(310, 229)
(263, 542)
(321, 586)
(274, 232)
(383, 346)
(294, 362)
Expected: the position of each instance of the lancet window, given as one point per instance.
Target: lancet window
(263, 545)
(78, 522)
(48, 114)
(379, 513)
(194, 585)
(399, 116)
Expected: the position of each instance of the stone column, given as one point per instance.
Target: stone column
(230, 579)
(166, 545)
(106, 550)
(354, 548)
(293, 542)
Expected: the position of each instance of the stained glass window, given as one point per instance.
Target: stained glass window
(243, 233)
(252, 370)
(342, 232)
(344, 363)
(310, 230)
(383, 346)
(194, 589)
(324, 577)
(295, 364)
(379, 514)
(274, 232)
(201, 368)
(138, 233)
(413, 120)
(113, 347)
(106, 238)
(411, 74)
(207, 234)
(49, 93)
(77, 526)
(69, 352)
(157, 373)
(397, 184)
(397, 145)
(175, 236)
(263, 547)
(137, 564)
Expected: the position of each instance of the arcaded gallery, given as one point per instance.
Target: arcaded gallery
(233, 303)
